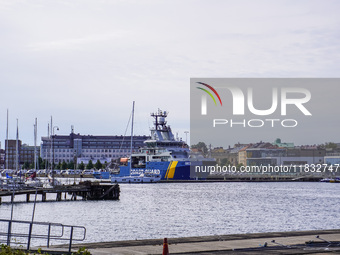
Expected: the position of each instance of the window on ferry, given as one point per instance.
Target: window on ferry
(138, 162)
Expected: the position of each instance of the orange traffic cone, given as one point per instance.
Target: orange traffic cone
(165, 247)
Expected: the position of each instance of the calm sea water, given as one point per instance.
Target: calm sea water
(194, 209)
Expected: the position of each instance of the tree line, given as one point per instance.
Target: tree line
(42, 164)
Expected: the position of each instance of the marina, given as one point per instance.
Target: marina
(158, 127)
(197, 211)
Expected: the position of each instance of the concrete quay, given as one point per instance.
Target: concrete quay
(295, 242)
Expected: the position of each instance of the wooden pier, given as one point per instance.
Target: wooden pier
(86, 190)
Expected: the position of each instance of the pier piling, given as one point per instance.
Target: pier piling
(58, 196)
(43, 197)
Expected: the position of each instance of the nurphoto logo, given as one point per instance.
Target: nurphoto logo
(243, 99)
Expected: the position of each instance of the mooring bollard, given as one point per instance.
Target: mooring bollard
(165, 247)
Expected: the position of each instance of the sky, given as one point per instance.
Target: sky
(85, 61)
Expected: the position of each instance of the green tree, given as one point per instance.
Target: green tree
(98, 165)
(225, 162)
(330, 145)
(59, 166)
(201, 146)
(89, 165)
(63, 165)
(239, 166)
(81, 166)
(70, 165)
(26, 165)
(41, 163)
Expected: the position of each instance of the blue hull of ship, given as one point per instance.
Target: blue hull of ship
(178, 170)
(174, 170)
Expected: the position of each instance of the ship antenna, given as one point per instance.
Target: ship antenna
(156, 115)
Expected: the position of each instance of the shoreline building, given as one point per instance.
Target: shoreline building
(11, 153)
(83, 148)
(2, 158)
(280, 144)
(25, 154)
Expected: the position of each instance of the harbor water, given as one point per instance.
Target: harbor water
(147, 211)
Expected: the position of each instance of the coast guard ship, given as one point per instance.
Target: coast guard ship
(162, 155)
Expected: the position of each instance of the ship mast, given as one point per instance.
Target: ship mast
(161, 131)
(160, 124)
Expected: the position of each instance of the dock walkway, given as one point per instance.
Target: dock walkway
(85, 190)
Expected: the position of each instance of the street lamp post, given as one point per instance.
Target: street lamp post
(53, 153)
(186, 136)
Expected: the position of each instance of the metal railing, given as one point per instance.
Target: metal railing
(23, 232)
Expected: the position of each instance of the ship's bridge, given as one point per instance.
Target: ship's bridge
(177, 149)
(166, 143)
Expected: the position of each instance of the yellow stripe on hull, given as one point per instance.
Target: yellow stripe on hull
(167, 171)
(172, 169)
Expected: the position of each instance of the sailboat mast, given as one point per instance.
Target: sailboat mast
(133, 112)
(35, 145)
(17, 149)
(7, 142)
(48, 134)
(51, 140)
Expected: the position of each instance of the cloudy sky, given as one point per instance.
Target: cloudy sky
(84, 61)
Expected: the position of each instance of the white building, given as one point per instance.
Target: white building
(88, 147)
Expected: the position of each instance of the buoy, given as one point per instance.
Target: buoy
(165, 247)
